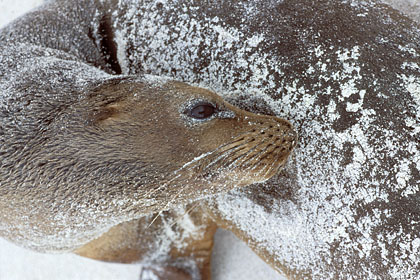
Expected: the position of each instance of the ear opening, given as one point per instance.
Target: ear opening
(102, 115)
(106, 100)
(107, 111)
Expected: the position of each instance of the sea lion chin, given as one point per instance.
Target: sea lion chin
(134, 147)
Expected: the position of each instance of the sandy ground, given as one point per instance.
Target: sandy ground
(232, 259)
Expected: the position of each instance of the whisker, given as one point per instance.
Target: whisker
(219, 154)
(185, 213)
(165, 184)
(269, 169)
(236, 140)
(197, 161)
(234, 144)
(166, 207)
(264, 156)
(241, 158)
(225, 155)
(154, 219)
(191, 164)
(201, 157)
(263, 151)
(194, 161)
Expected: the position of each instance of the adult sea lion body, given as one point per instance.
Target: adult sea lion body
(346, 72)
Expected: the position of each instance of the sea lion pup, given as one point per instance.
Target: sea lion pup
(83, 149)
(126, 149)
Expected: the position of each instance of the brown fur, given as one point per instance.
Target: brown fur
(128, 149)
(137, 241)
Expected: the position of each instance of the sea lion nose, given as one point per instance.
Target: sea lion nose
(287, 136)
(276, 132)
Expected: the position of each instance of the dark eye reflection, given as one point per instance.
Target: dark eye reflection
(202, 111)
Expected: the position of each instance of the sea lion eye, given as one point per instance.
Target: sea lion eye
(202, 111)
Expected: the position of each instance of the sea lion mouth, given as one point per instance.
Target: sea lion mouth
(256, 154)
(253, 156)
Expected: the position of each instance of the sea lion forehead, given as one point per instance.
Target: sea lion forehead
(194, 91)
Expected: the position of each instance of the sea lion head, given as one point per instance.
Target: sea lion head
(129, 148)
(188, 140)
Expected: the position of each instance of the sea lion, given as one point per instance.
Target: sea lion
(131, 148)
(346, 205)
(81, 157)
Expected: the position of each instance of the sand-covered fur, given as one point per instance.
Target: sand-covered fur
(345, 73)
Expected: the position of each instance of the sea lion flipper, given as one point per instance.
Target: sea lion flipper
(214, 208)
(176, 244)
